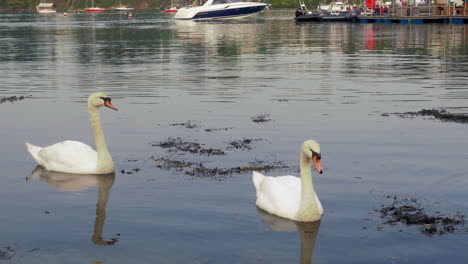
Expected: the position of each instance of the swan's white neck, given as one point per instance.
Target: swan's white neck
(308, 207)
(105, 164)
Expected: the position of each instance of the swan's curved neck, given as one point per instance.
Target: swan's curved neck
(308, 200)
(104, 162)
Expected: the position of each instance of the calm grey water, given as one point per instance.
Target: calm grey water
(330, 82)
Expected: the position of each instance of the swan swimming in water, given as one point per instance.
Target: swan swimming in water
(289, 196)
(74, 156)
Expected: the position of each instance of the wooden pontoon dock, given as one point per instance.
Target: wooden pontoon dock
(446, 13)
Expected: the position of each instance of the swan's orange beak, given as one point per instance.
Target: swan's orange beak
(110, 105)
(317, 164)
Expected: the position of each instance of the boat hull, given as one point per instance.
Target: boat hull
(350, 16)
(95, 9)
(224, 11)
(46, 8)
(47, 11)
(170, 10)
(124, 9)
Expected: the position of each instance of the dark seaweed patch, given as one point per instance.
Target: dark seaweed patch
(201, 171)
(243, 144)
(189, 124)
(168, 163)
(261, 118)
(7, 253)
(12, 99)
(130, 171)
(218, 129)
(411, 213)
(177, 144)
(198, 169)
(441, 115)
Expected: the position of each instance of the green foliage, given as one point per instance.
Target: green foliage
(17, 5)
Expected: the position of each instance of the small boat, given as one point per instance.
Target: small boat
(173, 9)
(123, 8)
(220, 9)
(94, 8)
(329, 13)
(46, 8)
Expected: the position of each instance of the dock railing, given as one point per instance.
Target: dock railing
(446, 9)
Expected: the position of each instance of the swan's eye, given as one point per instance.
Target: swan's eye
(316, 155)
(106, 99)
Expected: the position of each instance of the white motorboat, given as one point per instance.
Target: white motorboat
(220, 9)
(46, 8)
(123, 8)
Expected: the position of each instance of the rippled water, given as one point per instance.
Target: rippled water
(335, 83)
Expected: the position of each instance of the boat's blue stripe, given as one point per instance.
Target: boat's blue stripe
(229, 12)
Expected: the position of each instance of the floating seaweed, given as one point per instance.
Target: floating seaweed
(123, 171)
(441, 115)
(218, 129)
(12, 99)
(261, 118)
(198, 169)
(177, 144)
(7, 253)
(189, 124)
(168, 163)
(411, 213)
(243, 144)
(201, 171)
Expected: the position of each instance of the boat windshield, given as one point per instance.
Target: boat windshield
(219, 2)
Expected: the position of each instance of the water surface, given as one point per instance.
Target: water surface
(331, 82)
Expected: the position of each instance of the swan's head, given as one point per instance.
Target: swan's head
(312, 150)
(100, 99)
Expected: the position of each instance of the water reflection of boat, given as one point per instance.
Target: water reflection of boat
(220, 9)
(307, 230)
(78, 182)
(335, 12)
(46, 8)
(221, 37)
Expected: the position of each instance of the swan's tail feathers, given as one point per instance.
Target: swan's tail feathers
(257, 178)
(34, 150)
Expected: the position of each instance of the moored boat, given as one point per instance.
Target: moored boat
(123, 8)
(172, 9)
(220, 9)
(335, 12)
(94, 8)
(46, 8)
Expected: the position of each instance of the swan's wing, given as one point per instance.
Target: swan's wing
(293, 183)
(319, 205)
(280, 195)
(69, 156)
(257, 178)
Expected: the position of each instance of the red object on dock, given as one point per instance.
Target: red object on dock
(370, 3)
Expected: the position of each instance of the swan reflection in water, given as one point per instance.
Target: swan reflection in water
(76, 182)
(307, 230)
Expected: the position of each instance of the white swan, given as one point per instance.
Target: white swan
(76, 157)
(289, 196)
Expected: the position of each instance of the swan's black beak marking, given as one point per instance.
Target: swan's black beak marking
(107, 102)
